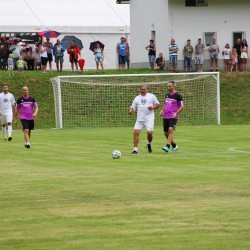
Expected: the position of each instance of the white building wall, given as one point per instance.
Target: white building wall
(172, 19)
(147, 16)
(221, 16)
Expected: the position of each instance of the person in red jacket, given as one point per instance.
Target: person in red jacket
(74, 52)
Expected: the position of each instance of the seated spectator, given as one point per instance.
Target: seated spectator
(24, 54)
(37, 58)
(29, 59)
(160, 62)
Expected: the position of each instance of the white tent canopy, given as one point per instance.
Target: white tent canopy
(102, 20)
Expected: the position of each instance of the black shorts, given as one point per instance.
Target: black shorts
(50, 58)
(27, 124)
(169, 123)
(44, 60)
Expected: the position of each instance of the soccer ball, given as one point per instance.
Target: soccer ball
(116, 154)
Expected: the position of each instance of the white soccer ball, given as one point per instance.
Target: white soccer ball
(116, 154)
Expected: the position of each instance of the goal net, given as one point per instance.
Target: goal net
(104, 100)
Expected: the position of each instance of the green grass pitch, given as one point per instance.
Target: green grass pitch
(66, 192)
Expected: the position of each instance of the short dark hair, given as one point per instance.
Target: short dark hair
(173, 82)
(151, 40)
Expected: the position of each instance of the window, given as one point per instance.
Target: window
(196, 2)
(237, 35)
(208, 38)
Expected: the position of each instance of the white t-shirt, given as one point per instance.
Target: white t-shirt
(226, 53)
(141, 104)
(6, 102)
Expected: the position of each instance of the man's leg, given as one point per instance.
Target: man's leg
(26, 134)
(4, 132)
(9, 131)
(136, 140)
(150, 138)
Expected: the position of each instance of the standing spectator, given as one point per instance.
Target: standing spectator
(173, 105)
(227, 57)
(10, 65)
(244, 55)
(160, 62)
(58, 52)
(39, 41)
(122, 52)
(234, 59)
(28, 109)
(199, 55)
(237, 46)
(214, 54)
(99, 56)
(20, 65)
(7, 109)
(5, 55)
(173, 55)
(128, 53)
(44, 56)
(49, 46)
(37, 58)
(144, 104)
(187, 53)
(29, 59)
(73, 52)
(151, 53)
(15, 50)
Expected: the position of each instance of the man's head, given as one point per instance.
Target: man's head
(238, 41)
(47, 39)
(171, 86)
(25, 91)
(143, 90)
(160, 55)
(5, 88)
(214, 41)
(58, 41)
(188, 41)
(123, 39)
(172, 41)
(151, 41)
(199, 40)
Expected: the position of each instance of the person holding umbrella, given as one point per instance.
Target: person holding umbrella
(58, 52)
(73, 52)
(99, 56)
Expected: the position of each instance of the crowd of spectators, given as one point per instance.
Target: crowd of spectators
(234, 60)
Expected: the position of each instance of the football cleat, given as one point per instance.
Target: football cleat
(165, 148)
(149, 148)
(134, 152)
(174, 149)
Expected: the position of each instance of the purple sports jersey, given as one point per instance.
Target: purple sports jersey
(26, 106)
(173, 102)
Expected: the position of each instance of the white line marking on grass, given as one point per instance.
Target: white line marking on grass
(238, 151)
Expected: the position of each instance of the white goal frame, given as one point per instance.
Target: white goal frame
(58, 105)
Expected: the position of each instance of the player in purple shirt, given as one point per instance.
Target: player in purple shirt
(28, 108)
(173, 105)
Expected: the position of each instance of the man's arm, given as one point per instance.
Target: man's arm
(35, 112)
(178, 111)
(154, 106)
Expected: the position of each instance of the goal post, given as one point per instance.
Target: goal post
(104, 100)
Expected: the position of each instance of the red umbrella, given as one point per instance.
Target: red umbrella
(14, 40)
(81, 63)
(49, 33)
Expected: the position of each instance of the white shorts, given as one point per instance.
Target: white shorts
(6, 118)
(149, 125)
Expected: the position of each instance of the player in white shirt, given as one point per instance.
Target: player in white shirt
(7, 109)
(144, 104)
